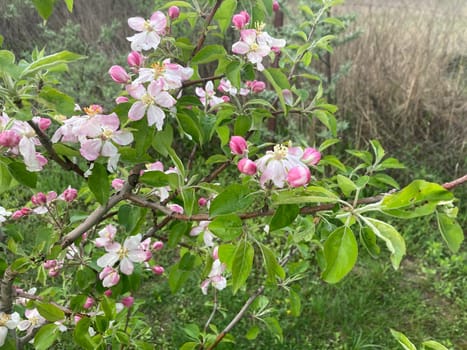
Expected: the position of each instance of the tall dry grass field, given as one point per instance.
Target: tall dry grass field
(408, 81)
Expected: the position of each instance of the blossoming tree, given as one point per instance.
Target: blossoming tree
(252, 206)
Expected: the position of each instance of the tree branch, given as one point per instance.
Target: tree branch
(450, 185)
(7, 292)
(202, 38)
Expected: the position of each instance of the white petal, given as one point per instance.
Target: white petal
(108, 259)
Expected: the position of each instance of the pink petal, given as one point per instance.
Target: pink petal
(90, 149)
(240, 48)
(137, 111)
(136, 23)
(156, 116)
(126, 266)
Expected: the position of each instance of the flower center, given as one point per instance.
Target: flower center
(280, 151)
(4, 318)
(147, 26)
(158, 68)
(254, 47)
(259, 26)
(107, 134)
(92, 110)
(122, 253)
(147, 99)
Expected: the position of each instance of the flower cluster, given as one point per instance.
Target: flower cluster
(215, 276)
(19, 138)
(254, 42)
(96, 133)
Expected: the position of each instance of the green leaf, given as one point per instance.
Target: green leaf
(85, 277)
(368, 238)
(22, 175)
(50, 61)
(431, 344)
(295, 303)
(451, 231)
(224, 14)
(57, 100)
(384, 179)
(242, 125)
(45, 337)
(252, 333)
(377, 150)
(232, 72)
(340, 253)
(276, 87)
(346, 185)
(242, 264)
(98, 183)
(69, 5)
(162, 140)
(209, 53)
(49, 311)
(328, 120)
(81, 334)
(226, 254)
(6, 180)
(285, 215)
(108, 306)
(234, 198)
(334, 162)
(192, 330)
(312, 194)
(273, 268)
(177, 277)
(390, 163)
(403, 340)
(155, 178)
(226, 227)
(129, 216)
(328, 143)
(394, 241)
(275, 328)
(44, 7)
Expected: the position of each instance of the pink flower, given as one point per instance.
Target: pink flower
(43, 123)
(158, 245)
(175, 208)
(174, 12)
(69, 195)
(298, 176)
(39, 199)
(240, 20)
(202, 227)
(34, 320)
(256, 44)
(226, 87)
(256, 86)
(49, 264)
(150, 100)
(127, 254)
(208, 95)
(101, 132)
(106, 236)
(276, 164)
(150, 31)
(202, 202)
(9, 138)
(88, 303)
(135, 59)
(119, 74)
(169, 75)
(109, 277)
(275, 6)
(247, 166)
(215, 277)
(128, 301)
(311, 156)
(238, 145)
(158, 270)
(121, 99)
(117, 184)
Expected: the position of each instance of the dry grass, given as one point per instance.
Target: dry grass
(407, 85)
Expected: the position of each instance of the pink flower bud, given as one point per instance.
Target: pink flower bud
(202, 202)
(298, 176)
(108, 293)
(128, 301)
(51, 196)
(49, 264)
(158, 270)
(88, 303)
(117, 184)
(275, 6)
(39, 199)
(84, 236)
(121, 99)
(311, 156)
(276, 49)
(226, 98)
(238, 145)
(43, 123)
(25, 211)
(77, 318)
(256, 86)
(17, 215)
(119, 75)
(53, 272)
(240, 20)
(174, 12)
(157, 245)
(246, 166)
(69, 194)
(9, 138)
(215, 253)
(135, 59)
(175, 208)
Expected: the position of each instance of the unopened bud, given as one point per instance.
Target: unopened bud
(157, 245)
(202, 202)
(246, 166)
(119, 75)
(70, 194)
(39, 199)
(298, 176)
(275, 6)
(128, 301)
(311, 156)
(135, 59)
(174, 12)
(121, 99)
(88, 303)
(158, 270)
(9, 138)
(238, 145)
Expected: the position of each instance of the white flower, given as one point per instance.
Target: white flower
(34, 320)
(7, 321)
(3, 214)
(215, 277)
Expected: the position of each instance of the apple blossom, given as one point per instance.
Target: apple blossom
(238, 145)
(69, 195)
(9, 138)
(119, 74)
(34, 320)
(202, 227)
(109, 277)
(247, 166)
(117, 184)
(298, 176)
(127, 254)
(174, 12)
(150, 100)
(311, 156)
(256, 86)
(208, 95)
(150, 31)
(215, 277)
(106, 236)
(202, 202)
(7, 321)
(135, 59)
(121, 99)
(3, 214)
(171, 75)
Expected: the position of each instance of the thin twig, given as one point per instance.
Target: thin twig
(202, 38)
